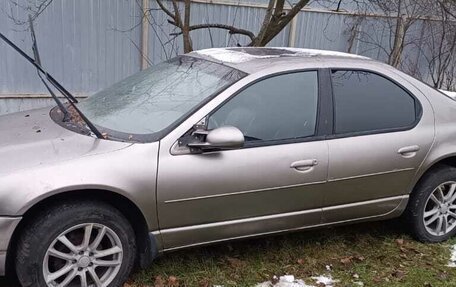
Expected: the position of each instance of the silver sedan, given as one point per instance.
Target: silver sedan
(217, 145)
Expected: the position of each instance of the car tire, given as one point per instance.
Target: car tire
(424, 214)
(39, 250)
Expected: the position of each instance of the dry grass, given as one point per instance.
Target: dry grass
(377, 254)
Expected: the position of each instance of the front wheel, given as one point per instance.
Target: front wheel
(431, 211)
(79, 244)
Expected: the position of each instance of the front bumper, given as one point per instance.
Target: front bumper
(7, 227)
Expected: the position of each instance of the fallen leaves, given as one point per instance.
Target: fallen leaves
(350, 259)
(235, 262)
(399, 274)
(346, 260)
(171, 281)
(159, 282)
(405, 247)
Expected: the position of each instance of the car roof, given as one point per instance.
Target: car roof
(253, 59)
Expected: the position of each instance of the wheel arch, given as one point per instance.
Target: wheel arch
(449, 160)
(147, 245)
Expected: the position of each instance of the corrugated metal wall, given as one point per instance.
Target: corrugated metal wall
(80, 44)
(90, 44)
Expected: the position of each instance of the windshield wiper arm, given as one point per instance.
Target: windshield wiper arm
(32, 61)
(71, 99)
(36, 55)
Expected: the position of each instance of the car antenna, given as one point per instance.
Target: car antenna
(36, 55)
(71, 99)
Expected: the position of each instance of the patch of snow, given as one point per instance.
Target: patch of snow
(231, 56)
(452, 262)
(291, 281)
(358, 283)
(238, 56)
(325, 280)
(316, 52)
(451, 94)
(285, 281)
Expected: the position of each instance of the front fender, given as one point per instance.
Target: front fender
(130, 172)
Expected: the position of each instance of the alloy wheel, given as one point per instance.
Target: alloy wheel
(440, 210)
(86, 255)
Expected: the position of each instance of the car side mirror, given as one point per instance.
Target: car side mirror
(222, 138)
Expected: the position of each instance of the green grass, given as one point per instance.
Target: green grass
(379, 254)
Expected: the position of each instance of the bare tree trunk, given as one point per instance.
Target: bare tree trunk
(354, 33)
(176, 20)
(415, 69)
(266, 21)
(398, 45)
(450, 78)
(275, 20)
(186, 29)
(447, 61)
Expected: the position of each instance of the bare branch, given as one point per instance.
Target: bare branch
(231, 29)
(166, 10)
(446, 8)
(177, 16)
(34, 10)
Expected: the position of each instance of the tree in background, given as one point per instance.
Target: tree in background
(34, 8)
(449, 7)
(438, 49)
(425, 28)
(278, 15)
(384, 25)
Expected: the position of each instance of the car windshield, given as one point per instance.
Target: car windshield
(152, 100)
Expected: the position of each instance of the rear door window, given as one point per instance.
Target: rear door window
(367, 102)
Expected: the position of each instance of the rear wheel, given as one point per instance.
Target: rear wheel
(76, 244)
(431, 211)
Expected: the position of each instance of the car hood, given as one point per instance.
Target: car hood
(29, 139)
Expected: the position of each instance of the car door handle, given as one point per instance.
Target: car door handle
(304, 165)
(409, 151)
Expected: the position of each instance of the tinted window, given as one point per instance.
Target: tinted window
(281, 107)
(368, 102)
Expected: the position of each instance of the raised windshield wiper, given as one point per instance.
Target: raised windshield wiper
(71, 99)
(36, 55)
